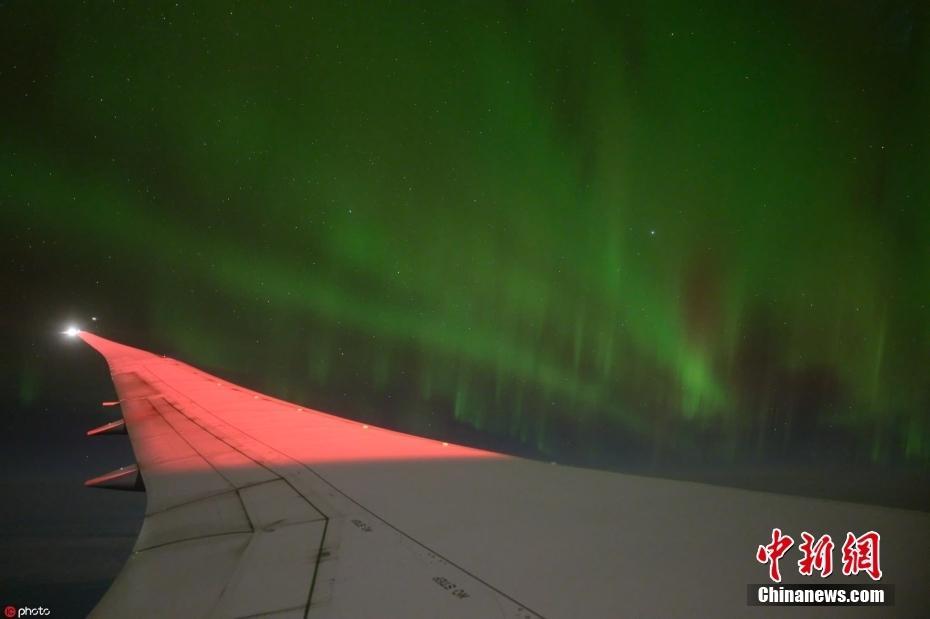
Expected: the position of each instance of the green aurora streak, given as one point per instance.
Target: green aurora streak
(670, 228)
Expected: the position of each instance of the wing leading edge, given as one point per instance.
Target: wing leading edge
(259, 507)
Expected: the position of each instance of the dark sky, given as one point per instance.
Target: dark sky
(678, 238)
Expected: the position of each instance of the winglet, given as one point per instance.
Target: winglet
(125, 478)
(114, 427)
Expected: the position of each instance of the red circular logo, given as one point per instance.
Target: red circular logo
(9, 611)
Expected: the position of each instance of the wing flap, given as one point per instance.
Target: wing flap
(276, 503)
(290, 552)
(184, 579)
(216, 515)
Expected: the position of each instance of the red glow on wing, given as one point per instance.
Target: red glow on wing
(163, 399)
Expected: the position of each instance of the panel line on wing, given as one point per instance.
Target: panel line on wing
(169, 417)
(266, 466)
(229, 428)
(254, 487)
(248, 469)
(316, 569)
(191, 539)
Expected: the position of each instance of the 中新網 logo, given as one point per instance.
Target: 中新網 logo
(858, 554)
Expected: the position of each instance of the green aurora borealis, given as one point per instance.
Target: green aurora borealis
(675, 230)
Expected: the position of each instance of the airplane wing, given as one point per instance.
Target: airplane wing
(259, 507)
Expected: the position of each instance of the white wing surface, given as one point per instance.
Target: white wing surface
(259, 507)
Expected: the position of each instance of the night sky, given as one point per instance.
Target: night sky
(676, 238)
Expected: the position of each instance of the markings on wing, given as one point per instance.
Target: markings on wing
(274, 535)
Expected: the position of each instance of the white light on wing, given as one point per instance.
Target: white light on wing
(71, 331)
